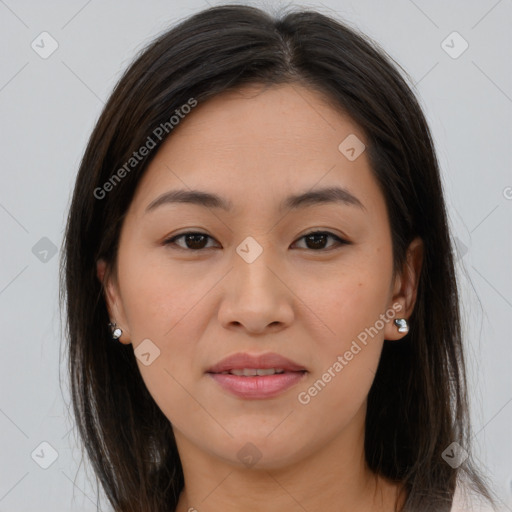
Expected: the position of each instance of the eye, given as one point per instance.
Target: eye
(195, 241)
(317, 239)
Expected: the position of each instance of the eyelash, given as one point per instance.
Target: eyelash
(171, 241)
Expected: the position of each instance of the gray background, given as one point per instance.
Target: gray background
(48, 108)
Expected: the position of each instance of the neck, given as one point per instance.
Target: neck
(332, 478)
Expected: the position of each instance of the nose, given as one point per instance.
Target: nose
(256, 297)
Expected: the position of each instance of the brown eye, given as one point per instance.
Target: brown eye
(194, 241)
(316, 240)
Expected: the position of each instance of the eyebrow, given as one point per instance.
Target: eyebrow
(293, 202)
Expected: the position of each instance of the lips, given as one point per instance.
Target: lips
(241, 361)
(261, 376)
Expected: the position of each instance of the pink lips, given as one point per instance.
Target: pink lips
(258, 386)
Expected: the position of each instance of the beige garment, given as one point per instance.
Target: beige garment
(466, 501)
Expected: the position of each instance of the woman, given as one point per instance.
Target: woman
(223, 354)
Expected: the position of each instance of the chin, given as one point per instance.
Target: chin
(259, 450)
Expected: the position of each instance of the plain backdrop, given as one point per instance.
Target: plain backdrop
(48, 107)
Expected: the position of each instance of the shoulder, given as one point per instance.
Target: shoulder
(466, 500)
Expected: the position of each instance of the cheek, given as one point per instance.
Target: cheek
(346, 364)
(163, 320)
(348, 298)
(352, 305)
(158, 294)
(164, 303)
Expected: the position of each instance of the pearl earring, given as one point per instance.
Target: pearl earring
(116, 331)
(402, 325)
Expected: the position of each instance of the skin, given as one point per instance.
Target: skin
(307, 302)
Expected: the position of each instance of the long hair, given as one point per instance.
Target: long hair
(417, 405)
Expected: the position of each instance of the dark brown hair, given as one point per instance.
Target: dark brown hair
(417, 405)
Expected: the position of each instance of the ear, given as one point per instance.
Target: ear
(405, 288)
(113, 299)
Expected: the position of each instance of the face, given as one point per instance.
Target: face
(255, 280)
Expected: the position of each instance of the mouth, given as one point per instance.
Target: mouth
(249, 363)
(257, 376)
(253, 372)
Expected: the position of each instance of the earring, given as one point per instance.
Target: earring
(116, 331)
(402, 324)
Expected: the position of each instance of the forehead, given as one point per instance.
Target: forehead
(286, 118)
(258, 142)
